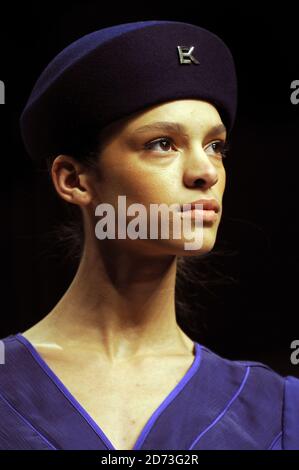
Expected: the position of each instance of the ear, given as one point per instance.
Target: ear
(71, 180)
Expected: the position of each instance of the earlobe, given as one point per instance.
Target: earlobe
(80, 196)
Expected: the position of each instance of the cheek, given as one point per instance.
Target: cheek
(221, 181)
(145, 186)
(139, 183)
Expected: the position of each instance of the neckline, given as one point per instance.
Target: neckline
(80, 409)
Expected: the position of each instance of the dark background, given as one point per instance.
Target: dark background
(251, 310)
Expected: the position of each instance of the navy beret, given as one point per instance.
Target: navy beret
(116, 71)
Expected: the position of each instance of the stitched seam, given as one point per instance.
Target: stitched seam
(226, 408)
(26, 421)
(275, 440)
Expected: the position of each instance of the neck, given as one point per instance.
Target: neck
(120, 303)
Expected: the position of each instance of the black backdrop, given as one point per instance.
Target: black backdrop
(253, 316)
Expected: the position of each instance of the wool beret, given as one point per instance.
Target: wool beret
(111, 73)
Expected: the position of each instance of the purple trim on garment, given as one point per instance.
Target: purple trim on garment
(55, 379)
(275, 440)
(178, 388)
(149, 424)
(225, 409)
(26, 422)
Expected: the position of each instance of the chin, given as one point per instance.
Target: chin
(205, 247)
(181, 247)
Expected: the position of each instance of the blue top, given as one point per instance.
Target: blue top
(218, 404)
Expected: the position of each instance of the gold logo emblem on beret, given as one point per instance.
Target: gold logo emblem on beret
(185, 55)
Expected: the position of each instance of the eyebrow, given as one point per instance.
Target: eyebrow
(168, 126)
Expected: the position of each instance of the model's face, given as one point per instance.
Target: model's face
(152, 163)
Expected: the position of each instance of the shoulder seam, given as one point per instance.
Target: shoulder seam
(245, 363)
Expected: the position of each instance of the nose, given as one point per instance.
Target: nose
(199, 171)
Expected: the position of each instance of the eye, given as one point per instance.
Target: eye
(218, 148)
(164, 144)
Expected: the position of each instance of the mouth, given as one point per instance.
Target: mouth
(205, 205)
(205, 209)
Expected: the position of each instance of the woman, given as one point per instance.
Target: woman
(141, 110)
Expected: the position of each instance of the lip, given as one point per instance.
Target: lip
(208, 205)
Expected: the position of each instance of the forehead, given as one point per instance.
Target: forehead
(182, 116)
(192, 113)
